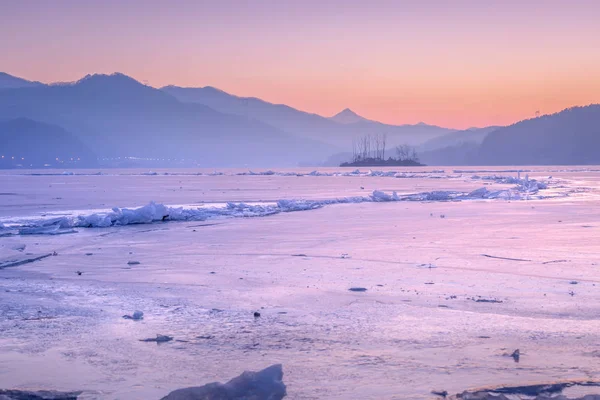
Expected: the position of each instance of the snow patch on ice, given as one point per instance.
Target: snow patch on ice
(155, 212)
(522, 184)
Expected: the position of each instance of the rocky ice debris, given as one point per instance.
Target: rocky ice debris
(37, 395)
(136, 316)
(379, 196)
(522, 184)
(552, 391)
(15, 261)
(154, 212)
(262, 385)
(480, 193)
(357, 289)
(158, 339)
(516, 355)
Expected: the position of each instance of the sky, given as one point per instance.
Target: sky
(453, 63)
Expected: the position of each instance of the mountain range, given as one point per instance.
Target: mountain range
(338, 131)
(119, 117)
(107, 119)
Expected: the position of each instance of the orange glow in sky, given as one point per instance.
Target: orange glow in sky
(455, 63)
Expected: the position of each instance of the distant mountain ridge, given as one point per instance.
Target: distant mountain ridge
(474, 135)
(12, 82)
(569, 137)
(305, 124)
(118, 117)
(339, 130)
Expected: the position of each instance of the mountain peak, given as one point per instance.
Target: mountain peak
(115, 77)
(213, 89)
(8, 81)
(347, 116)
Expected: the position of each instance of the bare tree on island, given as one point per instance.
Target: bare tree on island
(369, 150)
(369, 147)
(405, 152)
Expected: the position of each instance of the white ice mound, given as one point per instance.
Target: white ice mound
(262, 385)
(154, 212)
(382, 196)
(381, 173)
(481, 193)
(298, 205)
(524, 185)
(144, 215)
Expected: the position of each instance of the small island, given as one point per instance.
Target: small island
(375, 162)
(369, 151)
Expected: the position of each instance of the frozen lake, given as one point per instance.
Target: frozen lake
(457, 279)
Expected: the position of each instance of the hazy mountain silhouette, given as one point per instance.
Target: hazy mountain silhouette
(118, 116)
(347, 116)
(571, 136)
(34, 144)
(11, 82)
(463, 153)
(301, 123)
(472, 135)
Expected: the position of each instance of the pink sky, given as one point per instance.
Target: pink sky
(456, 63)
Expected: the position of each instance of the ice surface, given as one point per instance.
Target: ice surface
(201, 282)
